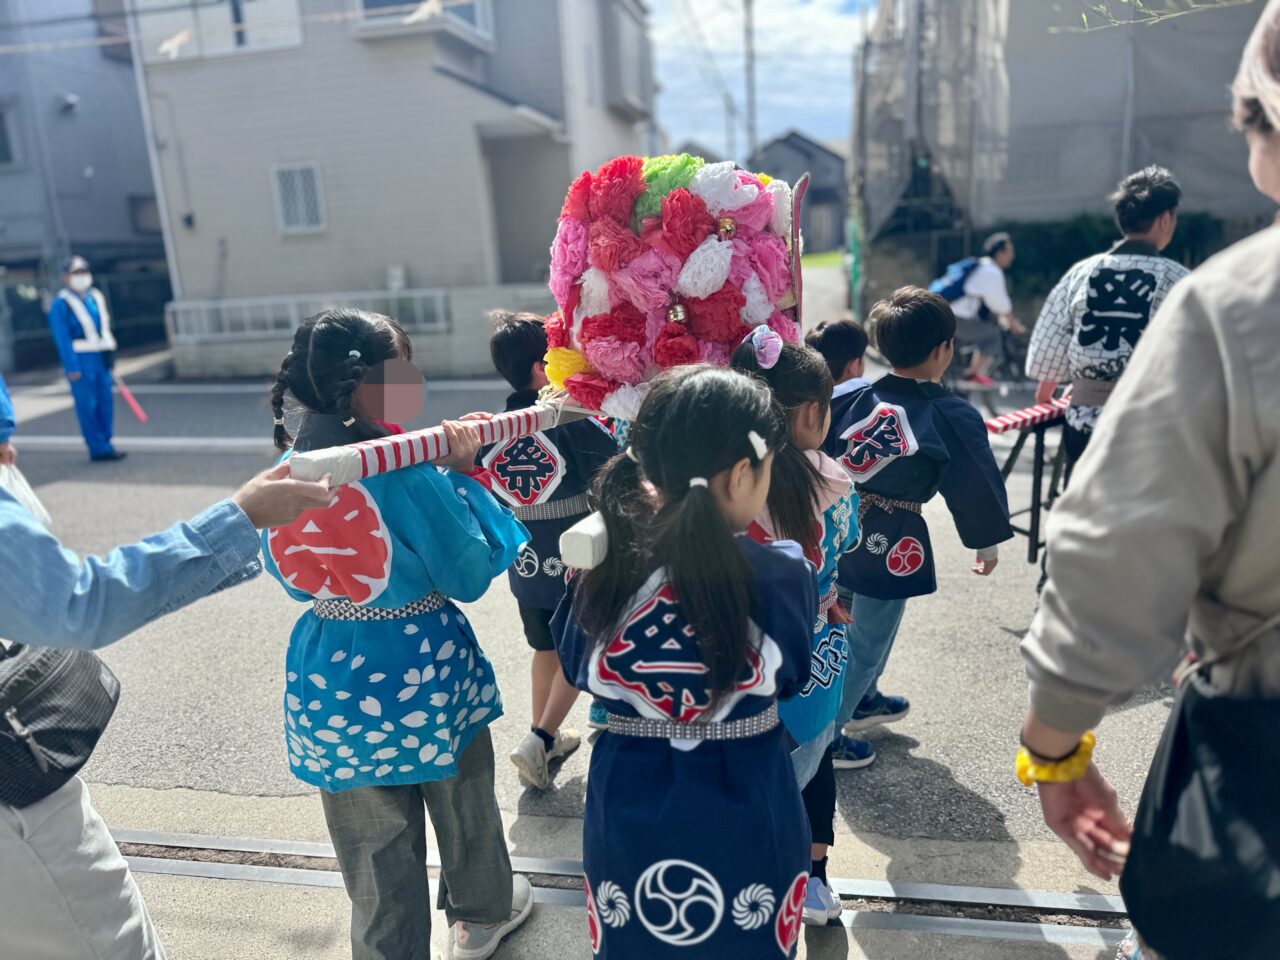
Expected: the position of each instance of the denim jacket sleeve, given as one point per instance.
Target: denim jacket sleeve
(7, 419)
(51, 597)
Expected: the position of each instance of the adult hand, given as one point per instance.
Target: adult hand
(73, 377)
(1045, 391)
(274, 499)
(1086, 814)
(464, 444)
(8, 454)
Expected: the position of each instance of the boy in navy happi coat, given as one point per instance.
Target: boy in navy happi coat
(81, 325)
(543, 478)
(904, 439)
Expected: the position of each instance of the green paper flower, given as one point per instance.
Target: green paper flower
(664, 174)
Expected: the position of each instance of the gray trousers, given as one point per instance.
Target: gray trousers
(66, 893)
(380, 837)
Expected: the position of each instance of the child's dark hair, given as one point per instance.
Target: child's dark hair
(800, 376)
(909, 324)
(695, 422)
(840, 342)
(330, 356)
(518, 342)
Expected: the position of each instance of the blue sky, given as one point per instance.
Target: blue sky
(804, 73)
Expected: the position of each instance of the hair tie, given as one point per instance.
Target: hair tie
(354, 353)
(631, 455)
(349, 421)
(758, 445)
(697, 482)
(767, 345)
(279, 421)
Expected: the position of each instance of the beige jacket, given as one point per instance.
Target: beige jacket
(1170, 529)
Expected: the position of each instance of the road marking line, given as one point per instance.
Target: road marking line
(195, 388)
(144, 444)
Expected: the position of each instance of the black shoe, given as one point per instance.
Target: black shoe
(111, 457)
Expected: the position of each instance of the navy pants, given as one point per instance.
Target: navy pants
(95, 406)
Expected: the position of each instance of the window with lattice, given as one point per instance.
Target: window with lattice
(299, 199)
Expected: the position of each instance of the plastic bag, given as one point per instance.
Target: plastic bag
(15, 484)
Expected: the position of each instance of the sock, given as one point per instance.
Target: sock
(818, 868)
(547, 739)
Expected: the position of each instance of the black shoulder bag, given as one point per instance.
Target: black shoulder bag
(54, 705)
(1203, 874)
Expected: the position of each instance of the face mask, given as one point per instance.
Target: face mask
(80, 282)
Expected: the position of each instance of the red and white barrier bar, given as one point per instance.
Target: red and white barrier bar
(1032, 416)
(372, 457)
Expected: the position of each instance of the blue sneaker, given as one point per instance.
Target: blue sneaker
(875, 710)
(598, 718)
(851, 754)
(820, 904)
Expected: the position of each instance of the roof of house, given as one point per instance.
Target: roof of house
(804, 143)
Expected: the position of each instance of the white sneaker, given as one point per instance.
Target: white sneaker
(567, 741)
(820, 904)
(530, 758)
(476, 941)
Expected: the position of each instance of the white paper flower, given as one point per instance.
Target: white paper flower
(780, 222)
(720, 189)
(707, 268)
(758, 307)
(595, 293)
(624, 402)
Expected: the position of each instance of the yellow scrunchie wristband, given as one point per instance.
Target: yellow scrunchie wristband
(1064, 771)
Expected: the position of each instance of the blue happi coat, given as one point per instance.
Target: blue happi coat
(382, 702)
(906, 440)
(695, 848)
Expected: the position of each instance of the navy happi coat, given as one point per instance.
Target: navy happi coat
(695, 848)
(909, 440)
(529, 475)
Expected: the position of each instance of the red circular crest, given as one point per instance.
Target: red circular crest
(593, 921)
(787, 926)
(906, 557)
(343, 550)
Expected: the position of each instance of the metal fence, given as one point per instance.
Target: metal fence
(421, 311)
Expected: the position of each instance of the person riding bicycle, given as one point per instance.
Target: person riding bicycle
(979, 297)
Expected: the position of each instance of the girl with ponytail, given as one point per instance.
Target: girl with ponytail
(689, 633)
(388, 696)
(813, 502)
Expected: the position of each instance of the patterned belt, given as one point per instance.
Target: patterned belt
(346, 610)
(826, 602)
(866, 500)
(554, 509)
(752, 726)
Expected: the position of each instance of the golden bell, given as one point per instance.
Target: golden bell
(727, 228)
(676, 313)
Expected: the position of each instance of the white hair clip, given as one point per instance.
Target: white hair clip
(354, 353)
(697, 482)
(631, 455)
(757, 443)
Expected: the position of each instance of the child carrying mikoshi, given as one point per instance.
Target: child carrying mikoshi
(694, 834)
(905, 439)
(543, 478)
(388, 696)
(811, 501)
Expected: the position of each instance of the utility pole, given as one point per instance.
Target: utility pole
(749, 31)
(730, 127)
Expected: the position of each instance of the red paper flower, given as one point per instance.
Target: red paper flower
(612, 246)
(716, 318)
(570, 305)
(577, 203)
(624, 322)
(557, 334)
(675, 345)
(685, 222)
(589, 389)
(614, 188)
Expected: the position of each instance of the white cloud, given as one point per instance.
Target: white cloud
(804, 74)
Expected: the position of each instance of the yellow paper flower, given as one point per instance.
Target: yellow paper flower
(764, 178)
(563, 363)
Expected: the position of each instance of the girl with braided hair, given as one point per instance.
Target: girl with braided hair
(388, 696)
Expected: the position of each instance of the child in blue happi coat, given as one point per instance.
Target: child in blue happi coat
(388, 696)
(904, 439)
(811, 501)
(543, 478)
(695, 842)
